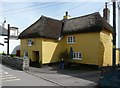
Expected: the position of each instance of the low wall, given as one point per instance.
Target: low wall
(16, 62)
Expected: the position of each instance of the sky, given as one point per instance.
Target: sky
(23, 13)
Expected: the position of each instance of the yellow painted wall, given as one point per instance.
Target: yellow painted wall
(88, 45)
(51, 50)
(37, 46)
(105, 48)
(96, 48)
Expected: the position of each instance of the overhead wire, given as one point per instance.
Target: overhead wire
(30, 9)
(32, 6)
(70, 9)
(103, 6)
(100, 8)
(11, 10)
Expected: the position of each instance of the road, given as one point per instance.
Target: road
(13, 77)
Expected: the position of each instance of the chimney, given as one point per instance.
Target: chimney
(106, 13)
(66, 16)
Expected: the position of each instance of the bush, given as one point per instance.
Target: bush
(12, 55)
(3, 53)
(64, 55)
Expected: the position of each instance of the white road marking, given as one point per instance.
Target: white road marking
(6, 72)
(6, 77)
(3, 76)
(11, 80)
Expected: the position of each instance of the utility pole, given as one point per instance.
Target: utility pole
(8, 37)
(114, 36)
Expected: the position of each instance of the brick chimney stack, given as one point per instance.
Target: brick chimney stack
(106, 13)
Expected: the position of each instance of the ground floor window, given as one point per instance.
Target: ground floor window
(25, 54)
(77, 55)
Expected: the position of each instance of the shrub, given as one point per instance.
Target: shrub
(64, 55)
(12, 55)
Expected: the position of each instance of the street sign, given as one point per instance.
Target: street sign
(5, 40)
(13, 32)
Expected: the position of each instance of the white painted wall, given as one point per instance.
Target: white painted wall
(13, 44)
(3, 48)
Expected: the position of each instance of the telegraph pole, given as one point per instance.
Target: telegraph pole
(8, 35)
(114, 36)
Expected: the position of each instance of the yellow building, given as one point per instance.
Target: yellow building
(86, 39)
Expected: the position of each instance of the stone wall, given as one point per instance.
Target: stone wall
(16, 62)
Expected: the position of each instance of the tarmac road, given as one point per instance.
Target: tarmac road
(13, 77)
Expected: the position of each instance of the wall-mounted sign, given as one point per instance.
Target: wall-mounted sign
(13, 32)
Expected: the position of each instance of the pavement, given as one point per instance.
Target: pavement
(66, 77)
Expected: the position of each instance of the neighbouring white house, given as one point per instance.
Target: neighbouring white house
(13, 43)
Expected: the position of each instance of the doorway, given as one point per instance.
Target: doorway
(36, 56)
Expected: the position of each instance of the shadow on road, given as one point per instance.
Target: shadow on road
(86, 72)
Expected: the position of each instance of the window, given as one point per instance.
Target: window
(29, 42)
(71, 39)
(77, 55)
(25, 54)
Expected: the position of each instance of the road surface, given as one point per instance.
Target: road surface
(13, 77)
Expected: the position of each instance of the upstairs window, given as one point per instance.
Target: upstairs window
(71, 39)
(29, 42)
(77, 55)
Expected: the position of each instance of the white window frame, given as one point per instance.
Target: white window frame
(77, 55)
(71, 39)
(29, 41)
(25, 54)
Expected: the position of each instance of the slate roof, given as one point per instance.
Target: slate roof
(3, 31)
(52, 28)
(44, 27)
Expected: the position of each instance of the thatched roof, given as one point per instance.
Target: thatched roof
(52, 28)
(44, 27)
(88, 23)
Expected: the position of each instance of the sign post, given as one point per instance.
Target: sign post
(114, 36)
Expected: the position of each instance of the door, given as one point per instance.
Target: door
(36, 56)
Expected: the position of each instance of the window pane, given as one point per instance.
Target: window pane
(29, 42)
(69, 39)
(79, 55)
(73, 38)
(73, 55)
